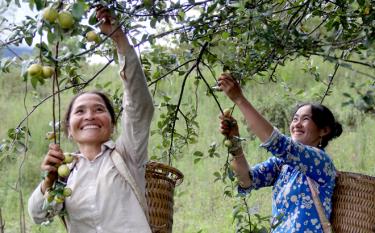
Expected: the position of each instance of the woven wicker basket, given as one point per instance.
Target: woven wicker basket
(161, 180)
(353, 203)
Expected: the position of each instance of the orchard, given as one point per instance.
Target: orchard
(185, 45)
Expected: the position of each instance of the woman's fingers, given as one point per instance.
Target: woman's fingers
(54, 157)
(102, 13)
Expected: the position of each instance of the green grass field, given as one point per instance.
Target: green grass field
(200, 203)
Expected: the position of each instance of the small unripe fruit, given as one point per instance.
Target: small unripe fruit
(49, 196)
(47, 71)
(59, 199)
(68, 158)
(65, 19)
(228, 143)
(34, 70)
(50, 15)
(63, 170)
(67, 192)
(227, 112)
(91, 36)
(50, 135)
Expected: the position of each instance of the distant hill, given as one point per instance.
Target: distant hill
(6, 53)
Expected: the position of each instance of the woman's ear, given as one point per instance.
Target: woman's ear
(325, 131)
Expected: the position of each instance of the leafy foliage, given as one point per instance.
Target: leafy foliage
(194, 41)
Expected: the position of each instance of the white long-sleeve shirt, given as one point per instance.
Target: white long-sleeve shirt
(102, 201)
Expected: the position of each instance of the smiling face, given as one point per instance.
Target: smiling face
(89, 120)
(304, 130)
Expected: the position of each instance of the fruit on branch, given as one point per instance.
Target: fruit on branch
(227, 112)
(50, 14)
(59, 198)
(228, 143)
(51, 135)
(67, 192)
(63, 170)
(49, 196)
(65, 20)
(91, 36)
(34, 70)
(68, 158)
(47, 71)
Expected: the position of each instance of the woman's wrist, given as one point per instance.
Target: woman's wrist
(235, 147)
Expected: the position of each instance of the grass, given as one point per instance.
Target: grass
(200, 205)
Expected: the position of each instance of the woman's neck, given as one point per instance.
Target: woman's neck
(90, 151)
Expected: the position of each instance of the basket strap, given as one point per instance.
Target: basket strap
(123, 169)
(326, 225)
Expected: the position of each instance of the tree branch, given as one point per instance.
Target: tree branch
(198, 60)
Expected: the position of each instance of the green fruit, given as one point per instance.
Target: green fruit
(68, 158)
(47, 71)
(63, 170)
(91, 36)
(50, 15)
(49, 196)
(65, 19)
(67, 192)
(34, 70)
(228, 143)
(59, 199)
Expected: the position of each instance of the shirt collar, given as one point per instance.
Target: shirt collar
(110, 144)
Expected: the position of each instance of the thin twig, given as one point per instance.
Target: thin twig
(169, 72)
(330, 83)
(11, 50)
(180, 98)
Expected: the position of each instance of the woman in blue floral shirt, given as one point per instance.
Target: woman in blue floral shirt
(294, 159)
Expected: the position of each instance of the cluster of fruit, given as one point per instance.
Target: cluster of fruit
(64, 18)
(58, 192)
(37, 70)
(66, 21)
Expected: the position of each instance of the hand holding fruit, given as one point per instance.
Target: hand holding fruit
(55, 164)
(53, 159)
(228, 125)
(50, 163)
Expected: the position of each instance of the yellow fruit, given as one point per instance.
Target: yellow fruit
(59, 199)
(68, 158)
(50, 135)
(227, 112)
(47, 71)
(34, 70)
(228, 143)
(63, 170)
(50, 15)
(92, 36)
(67, 192)
(65, 19)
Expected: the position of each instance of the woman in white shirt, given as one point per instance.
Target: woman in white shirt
(101, 200)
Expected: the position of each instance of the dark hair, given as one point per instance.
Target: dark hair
(107, 102)
(323, 117)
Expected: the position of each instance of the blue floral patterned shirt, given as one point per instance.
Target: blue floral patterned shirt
(287, 170)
